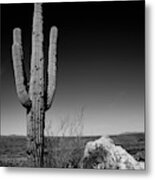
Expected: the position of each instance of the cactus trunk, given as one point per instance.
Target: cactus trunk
(33, 98)
(36, 114)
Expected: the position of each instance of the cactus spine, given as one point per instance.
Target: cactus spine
(34, 97)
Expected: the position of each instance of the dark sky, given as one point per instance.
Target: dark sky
(100, 64)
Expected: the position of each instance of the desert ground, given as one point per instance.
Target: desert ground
(65, 152)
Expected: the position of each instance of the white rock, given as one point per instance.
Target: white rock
(103, 154)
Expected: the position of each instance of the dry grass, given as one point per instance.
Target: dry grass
(65, 148)
(64, 152)
(59, 152)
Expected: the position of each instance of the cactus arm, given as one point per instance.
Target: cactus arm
(51, 66)
(19, 72)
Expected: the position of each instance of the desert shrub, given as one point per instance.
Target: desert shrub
(14, 162)
(140, 156)
(66, 154)
(64, 149)
(95, 157)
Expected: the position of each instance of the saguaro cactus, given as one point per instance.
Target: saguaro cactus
(34, 96)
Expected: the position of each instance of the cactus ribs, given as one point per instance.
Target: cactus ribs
(35, 98)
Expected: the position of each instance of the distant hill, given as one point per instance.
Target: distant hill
(15, 146)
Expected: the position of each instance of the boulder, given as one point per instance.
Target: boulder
(104, 154)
